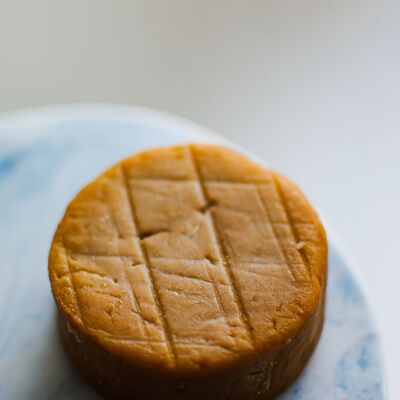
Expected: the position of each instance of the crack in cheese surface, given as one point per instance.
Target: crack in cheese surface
(189, 258)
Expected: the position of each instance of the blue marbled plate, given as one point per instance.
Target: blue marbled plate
(45, 157)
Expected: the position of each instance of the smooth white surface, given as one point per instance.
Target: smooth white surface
(311, 86)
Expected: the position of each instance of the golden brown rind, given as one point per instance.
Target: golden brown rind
(189, 273)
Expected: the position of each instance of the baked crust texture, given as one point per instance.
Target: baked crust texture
(189, 272)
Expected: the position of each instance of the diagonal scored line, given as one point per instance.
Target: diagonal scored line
(247, 271)
(291, 223)
(98, 275)
(78, 304)
(135, 301)
(190, 277)
(219, 242)
(157, 300)
(129, 340)
(267, 214)
(131, 292)
(217, 295)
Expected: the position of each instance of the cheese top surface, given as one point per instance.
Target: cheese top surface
(188, 259)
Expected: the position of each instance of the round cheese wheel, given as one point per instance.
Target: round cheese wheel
(189, 272)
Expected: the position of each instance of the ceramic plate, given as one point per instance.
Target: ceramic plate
(46, 155)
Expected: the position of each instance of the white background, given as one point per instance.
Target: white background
(311, 86)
